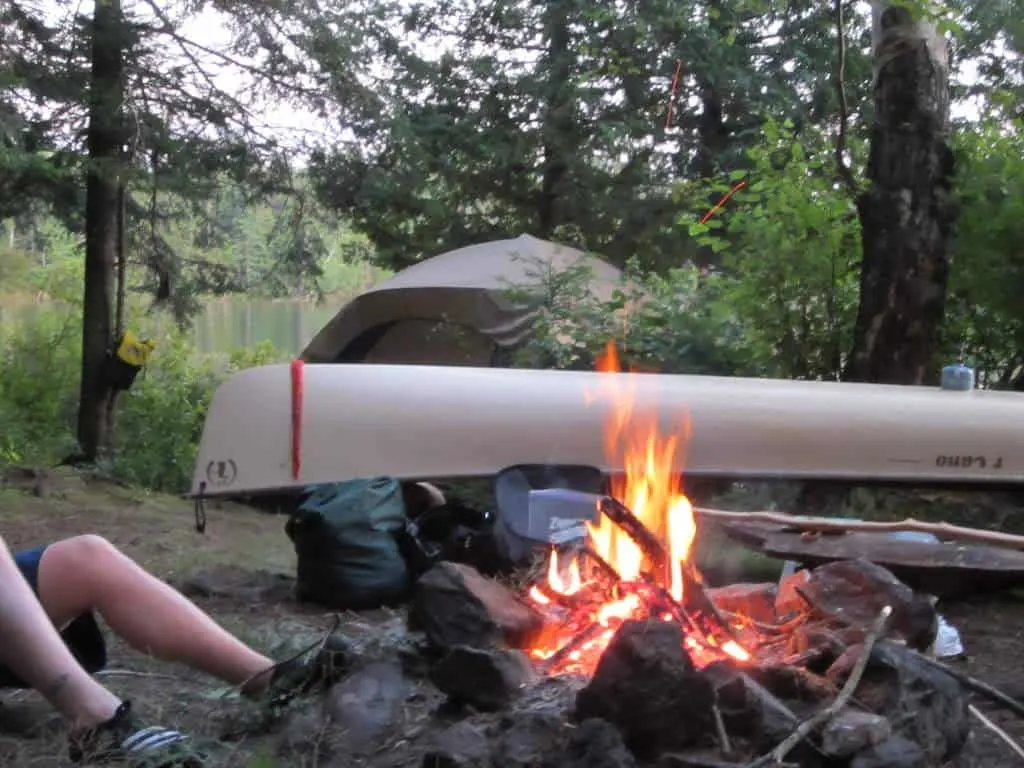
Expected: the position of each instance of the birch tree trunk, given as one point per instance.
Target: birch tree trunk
(907, 213)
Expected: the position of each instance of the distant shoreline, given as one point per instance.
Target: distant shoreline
(19, 299)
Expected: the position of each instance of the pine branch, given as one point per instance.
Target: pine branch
(187, 45)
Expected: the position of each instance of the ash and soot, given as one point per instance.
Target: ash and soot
(620, 655)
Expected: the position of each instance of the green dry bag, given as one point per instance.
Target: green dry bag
(345, 539)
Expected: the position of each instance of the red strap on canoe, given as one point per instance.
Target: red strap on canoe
(296, 418)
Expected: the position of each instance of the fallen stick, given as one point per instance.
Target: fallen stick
(996, 730)
(724, 742)
(777, 755)
(989, 692)
(825, 524)
(786, 628)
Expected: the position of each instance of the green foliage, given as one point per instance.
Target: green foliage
(673, 323)
(984, 321)
(493, 119)
(782, 304)
(791, 240)
(498, 119)
(160, 419)
(227, 244)
(38, 398)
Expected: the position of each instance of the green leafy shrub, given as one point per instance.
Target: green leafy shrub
(160, 419)
(39, 373)
(983, 321)
(673, 323)
(781, 303)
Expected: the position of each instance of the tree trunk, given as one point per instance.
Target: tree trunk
(712, 133)
(558, 120)
(907, 213)
(101, 221)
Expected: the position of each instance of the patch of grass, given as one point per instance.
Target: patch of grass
(157, 530)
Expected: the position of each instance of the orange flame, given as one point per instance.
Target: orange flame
(571, 583)
(649, 486)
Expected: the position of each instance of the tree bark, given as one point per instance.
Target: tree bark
(907, 213)
(712, 133)
(558, 120)
(106, 96)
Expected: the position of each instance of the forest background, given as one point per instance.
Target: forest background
(184, 169)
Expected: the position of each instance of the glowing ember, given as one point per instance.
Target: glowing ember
(590, 608)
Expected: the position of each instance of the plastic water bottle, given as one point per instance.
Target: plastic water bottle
(958, 377)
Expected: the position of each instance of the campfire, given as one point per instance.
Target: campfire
(621, 635)
(636, 562)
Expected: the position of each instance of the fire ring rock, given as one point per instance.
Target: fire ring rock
(527, 739)
(453, 604)
(594, 744)
(647, 687)
(462, 745)
(486, 679)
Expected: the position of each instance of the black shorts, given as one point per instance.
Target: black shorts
(82, 636)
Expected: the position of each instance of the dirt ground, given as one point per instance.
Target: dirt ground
(158, 531)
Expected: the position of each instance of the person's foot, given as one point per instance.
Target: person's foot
(318, 668)
(125, 741)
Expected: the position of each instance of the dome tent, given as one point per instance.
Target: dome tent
(452, 309)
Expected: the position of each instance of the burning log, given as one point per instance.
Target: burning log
(600, 564)
(590, 632)
(618, 599)
(653, 550)
(695, 597)
(561, 599)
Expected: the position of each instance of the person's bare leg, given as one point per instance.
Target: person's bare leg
(88, 573)
(32, 648)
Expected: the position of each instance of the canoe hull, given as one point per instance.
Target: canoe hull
(421, 422)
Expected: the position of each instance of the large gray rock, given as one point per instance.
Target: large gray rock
(852, 731)
(453, 604)
(462, 745)
(528, 739)
(367, 704)
(647, 687)
(595, 743)
(485, 679)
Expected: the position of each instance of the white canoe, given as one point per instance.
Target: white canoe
(421, 422)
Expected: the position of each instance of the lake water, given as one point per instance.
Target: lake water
(227, 323)
(231, 322)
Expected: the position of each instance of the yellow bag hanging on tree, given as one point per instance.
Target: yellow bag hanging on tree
(130, 356)
(135, 351)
